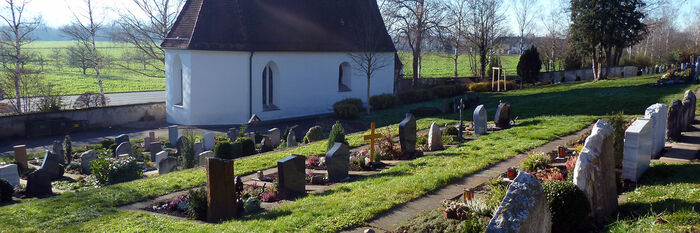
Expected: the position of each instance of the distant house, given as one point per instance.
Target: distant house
(228, 59)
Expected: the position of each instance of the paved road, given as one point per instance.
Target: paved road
(117, 98)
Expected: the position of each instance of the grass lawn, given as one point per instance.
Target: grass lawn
(667, 200)
(546, 113)
(439, 65)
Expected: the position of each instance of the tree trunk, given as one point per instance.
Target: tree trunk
(415, 68)
(368, 77)
(18, 72)
(456, 62)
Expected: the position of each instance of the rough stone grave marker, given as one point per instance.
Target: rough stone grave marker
(691, 99)
(274, 135)
(657, 112)
(673, 131)
(57, 150)
(503, 116)
(337, 162)
(290, 172)
(407, 135)
(480, 121)
(524, 208)
(434, 137)
(85, 159)
(637, 150)
(594, 172)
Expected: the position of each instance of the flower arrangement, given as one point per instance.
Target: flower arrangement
(549, 174)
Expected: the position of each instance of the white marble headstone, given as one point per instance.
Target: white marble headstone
(275, 137)
(208, 141)
(637, 151)
(10, 173)
(480, 121)
(658, 114)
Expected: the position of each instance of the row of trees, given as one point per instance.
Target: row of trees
(143, 26)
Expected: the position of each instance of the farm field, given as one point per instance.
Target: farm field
(439, 65)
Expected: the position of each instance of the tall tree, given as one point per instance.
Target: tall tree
(145, 26)
(14, 36)
(603, 28)
(417, 21)
(524, 16)
(455, 33)
(84, 30)
(486, 27)
(369, 34)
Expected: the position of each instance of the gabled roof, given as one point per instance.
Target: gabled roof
(278, 25)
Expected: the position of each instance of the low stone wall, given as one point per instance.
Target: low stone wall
(586, 74)
(72, 120)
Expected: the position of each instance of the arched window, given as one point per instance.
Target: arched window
(268, 91)
(344, 74)
(177, 82)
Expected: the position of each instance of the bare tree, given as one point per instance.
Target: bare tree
(57, 57)
(455, 33)
(486, 27)
(370, 37)
(417, 20)
(146, 33)
(80, 57)
(13, 37)
(84, 30)
(524, 17)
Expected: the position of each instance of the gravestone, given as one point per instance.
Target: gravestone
(337, 162)
(21, 156)
(152, 136)
(657, 113)
(434, 137)
(221, 192)
(275, 137)
(524, 208)
(39, 184)
(503, 116)
(203, 157)
(172, 134)
(159, 157)
(167, 165)
(57, 149)
(10, 173)
(146, 141)
(407, 135)
(181, 141)
(480, 121)
(198, 148)
(673, 131)
(594, 172)
(154, 148)
(637, 150)
(291, 139)
(691, 99)
(232, 134)
(123, 148)
(266, 144)
(52, 165)
(290, 172)
(85, 159)
(121, 138)
(208, 141)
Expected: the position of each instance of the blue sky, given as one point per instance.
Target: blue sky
(57, 12)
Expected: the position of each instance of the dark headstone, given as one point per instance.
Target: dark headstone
(503, 116)
(123, 148)
(121, 138)
(407, 135)
(181, 141)
(39, 184)
(291, 176)
(154, 148)
(690, 100)
(337, 162)
(52, 165)
(221, 201)
(167, 165)
(673, 132)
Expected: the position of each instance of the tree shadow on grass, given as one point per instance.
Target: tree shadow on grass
(663, 174)
(634, 209)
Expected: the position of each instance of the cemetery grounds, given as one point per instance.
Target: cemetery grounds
(669, 192)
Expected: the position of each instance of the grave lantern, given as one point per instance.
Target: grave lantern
(239, 184)
(512, 172)
(561, 151)
(260, 175)
(468, 194)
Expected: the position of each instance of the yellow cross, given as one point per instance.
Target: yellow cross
(371, 137)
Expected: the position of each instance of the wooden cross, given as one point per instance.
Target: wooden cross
(371, 137)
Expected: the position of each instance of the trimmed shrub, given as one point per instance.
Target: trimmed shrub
(137, 152)
(252, 205)
(617, 121)
(383, 101)
(188, 157)
(568, 204)
(314, 134)
(450, 130)
(444, 91)
(345, 110)
(223, 150)
(247, 146)
(106, 143)
(425, 111)
(196, 207)
(529, 65)
(415, 96)
(113, 171)
(337, 135)
(536, 161)
(6, 191)
(354, 101)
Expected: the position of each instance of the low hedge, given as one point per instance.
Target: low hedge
(568, 204)
(486, 86)
(383, 101)
(348, 108)
(416, 96)
(247, 146)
